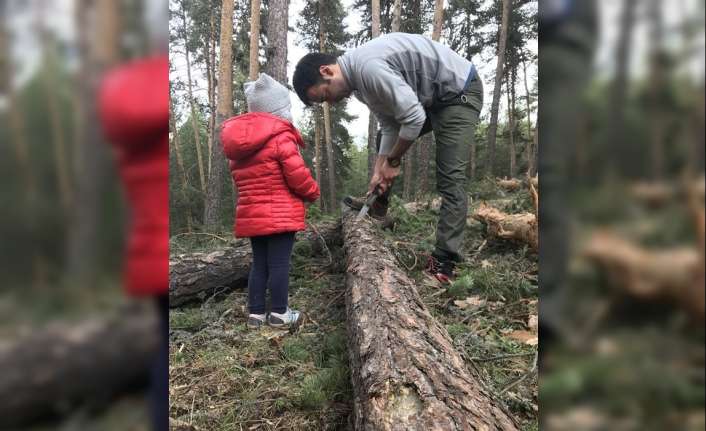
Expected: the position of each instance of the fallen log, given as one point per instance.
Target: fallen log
(51, 372)
(657, 194)
(406, 373)
(672, 275)
(522, 228)
(510, 185)
(196, 276)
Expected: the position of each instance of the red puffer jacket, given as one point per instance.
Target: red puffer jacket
(269, 172)
(134, 111)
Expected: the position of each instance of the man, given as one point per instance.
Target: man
(413, 85)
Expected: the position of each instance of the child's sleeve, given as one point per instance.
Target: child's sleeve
(296, 174)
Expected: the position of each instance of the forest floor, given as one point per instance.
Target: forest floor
(631, 364)
(224, 377)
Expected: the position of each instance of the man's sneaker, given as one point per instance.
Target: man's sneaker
(285, 320)
(256, 321)
(442, 270)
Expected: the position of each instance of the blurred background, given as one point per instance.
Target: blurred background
(621, 214)
(70, 344)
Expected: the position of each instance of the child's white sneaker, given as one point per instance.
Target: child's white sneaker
(285, 320)
(256, 321)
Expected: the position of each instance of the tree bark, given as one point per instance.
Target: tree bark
(372, 121)
(212, 210)
(493, 127)
(327, 124)
(254, 40)
(408, 172)
(425, 144)
(511, 127)
(657, 78)
(406, 373)
(85, 218)
(619, 86)
(330, 157)
(277, 25)
(396, 16)
(317, 152)
(55, 370)
(194, 120)
(180, 161)
(195, 276)
(61, 157)
(528, 150)
(438, 19)
(210, 75)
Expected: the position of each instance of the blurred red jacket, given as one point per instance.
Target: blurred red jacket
(271, 176)
(133, 103)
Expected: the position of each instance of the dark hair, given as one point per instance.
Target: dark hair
(307, 73)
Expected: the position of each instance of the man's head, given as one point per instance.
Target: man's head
(318, 78)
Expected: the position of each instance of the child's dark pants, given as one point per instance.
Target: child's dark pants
(271, 255)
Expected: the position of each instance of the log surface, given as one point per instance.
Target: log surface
(406, 373)
(197, 276)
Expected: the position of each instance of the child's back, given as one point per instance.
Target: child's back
(273, 183)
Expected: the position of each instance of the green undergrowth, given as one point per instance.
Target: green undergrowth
(225, 377)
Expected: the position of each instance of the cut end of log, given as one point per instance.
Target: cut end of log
(521, 228)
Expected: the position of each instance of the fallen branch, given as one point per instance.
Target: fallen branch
(197, 276)
(520, 228)
(406, 373)
(672, 274)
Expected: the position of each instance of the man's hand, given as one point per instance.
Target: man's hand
(383, 175)
(387, 176)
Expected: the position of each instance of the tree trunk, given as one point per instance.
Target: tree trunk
(195, 276)
(211, 87)
(619, 86)
(396, 16)
(438, 19)
(317, 153)
(657, 78)
(372, 144)
(330, 157)
(327, 124)
(62, 367)
(180, 161)
(493, 127)
(425, 144)
(214, 195)
(49, 70)
(254, 40)
(277, 24)
(528, 150)
(406, 373)
(85, 220)
(372, 121)
(511, 122)
(194, 119)
(408, 171)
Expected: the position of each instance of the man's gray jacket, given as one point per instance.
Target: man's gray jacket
(398, 75)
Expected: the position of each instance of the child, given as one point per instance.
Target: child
(273, 183)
